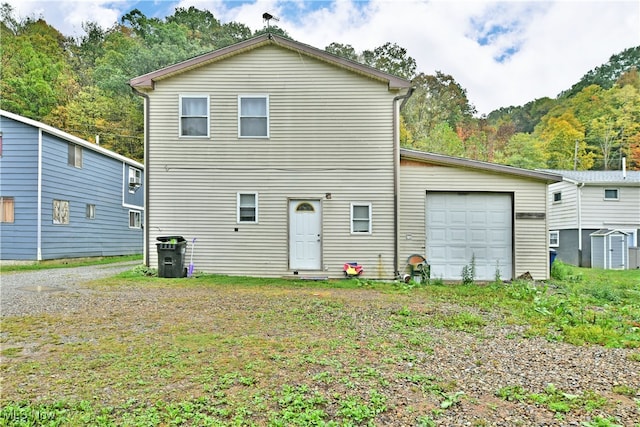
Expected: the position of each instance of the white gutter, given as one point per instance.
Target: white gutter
(39, 202)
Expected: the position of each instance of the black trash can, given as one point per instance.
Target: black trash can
(171, 254)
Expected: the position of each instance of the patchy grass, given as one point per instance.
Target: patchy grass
(217, 350)
(69, 262)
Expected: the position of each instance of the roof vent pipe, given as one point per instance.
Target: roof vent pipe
(624, 168)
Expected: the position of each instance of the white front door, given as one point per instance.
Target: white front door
(305, 219)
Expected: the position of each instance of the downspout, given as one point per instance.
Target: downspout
(396, 175)
(145, 233)
(579, 200)
(39, 202)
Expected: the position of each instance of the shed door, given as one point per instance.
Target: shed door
(617, 249)
(304, 235)
(460, 226)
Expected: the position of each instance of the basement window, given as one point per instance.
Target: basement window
(611, 194)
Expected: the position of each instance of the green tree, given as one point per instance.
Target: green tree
(436, 99)
(392, 59)
(523, 151)
(36, 76)
(344, 50)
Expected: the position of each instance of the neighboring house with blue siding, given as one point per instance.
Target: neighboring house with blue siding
(64, 197)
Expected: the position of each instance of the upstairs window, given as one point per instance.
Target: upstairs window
(91, 211)
(253, 116)
(248, 207)
(7, 209)
(75, 156)
(557, 197)
(360, 218)
(611, 194)
(135, 179)
(194, 115)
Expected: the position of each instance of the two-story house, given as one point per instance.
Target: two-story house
(64, 197)
(284, 160)
(586, 202)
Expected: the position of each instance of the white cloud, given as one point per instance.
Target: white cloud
(549, 45)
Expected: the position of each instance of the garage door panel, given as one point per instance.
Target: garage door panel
(457, 235)
(438, 217)
(457, 218)
(477, 236)
(466, 225)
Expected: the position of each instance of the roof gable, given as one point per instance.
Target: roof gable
(146, 81)
(70, 138)
(441, 159)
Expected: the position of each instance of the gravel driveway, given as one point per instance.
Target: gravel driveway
(478, 365)
(36, 291)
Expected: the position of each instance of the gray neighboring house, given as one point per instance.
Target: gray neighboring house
(586, 202)
(284, 160)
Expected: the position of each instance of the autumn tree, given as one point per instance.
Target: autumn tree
(562, 139)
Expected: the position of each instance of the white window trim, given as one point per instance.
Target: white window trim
(238, 221)
(553, 197)
(259, 95)
(557, 233)
(617, 190)
(139, 222)
(194, 95)
(355, 204)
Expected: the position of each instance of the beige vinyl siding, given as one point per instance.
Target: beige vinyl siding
(564, 214)
(530, 240)
(599, 213)
(331, 131)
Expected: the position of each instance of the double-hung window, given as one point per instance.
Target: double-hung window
(253, 116)
(248, 207)
(554, 238)
(360, 218)
(194, 116)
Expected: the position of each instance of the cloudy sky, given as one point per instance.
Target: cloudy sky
(503, 53)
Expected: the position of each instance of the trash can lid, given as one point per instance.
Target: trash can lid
(171, 238)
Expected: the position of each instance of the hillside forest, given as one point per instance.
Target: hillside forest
(80, 85)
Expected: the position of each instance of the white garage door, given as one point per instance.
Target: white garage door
(463, 225)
